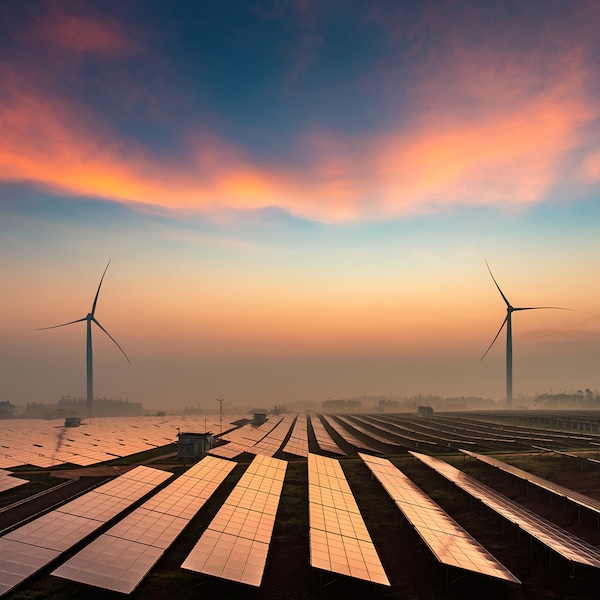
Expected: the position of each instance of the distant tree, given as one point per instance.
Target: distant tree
(7, 410)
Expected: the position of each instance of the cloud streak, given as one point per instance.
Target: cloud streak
(484, 129)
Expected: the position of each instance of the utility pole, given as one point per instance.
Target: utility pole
(220, 401)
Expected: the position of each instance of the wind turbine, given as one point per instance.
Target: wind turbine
(89, 362)
(508, 322)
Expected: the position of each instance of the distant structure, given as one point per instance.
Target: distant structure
(259, 418)
(72, 421)
(424, 411)
(508, 322)
(89, 362)
(194, 446)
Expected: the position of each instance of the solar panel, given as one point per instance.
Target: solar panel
(242, 439)
(346, 435)
(367, 432)
(271, 443)
(562, 542)
(446, 539)
(236, 543)
(48, 536)
(120, 558)
(324, 440)
(581, 499)
(8, 482)
(298, 442)
(339, 539)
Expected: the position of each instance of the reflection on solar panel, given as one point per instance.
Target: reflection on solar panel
(273, 440)
(562, 542)
(120, 558)
(555, 488)
(339, 540)
(32, 546)
(346, 435)
(324, 440)
(298, 442)
(236, 543)
(7, 481)
(44, 444)
(446, 539)
(240, 440)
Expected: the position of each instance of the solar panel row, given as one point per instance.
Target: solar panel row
(236, 543)
(30, 547)
(446, 539)
(298, 442)
(324, 440)
(581, 499)
(346, 435)
(120, 558)
(562, 542)
(339, 539)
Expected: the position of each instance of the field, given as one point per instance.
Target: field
(412, 570)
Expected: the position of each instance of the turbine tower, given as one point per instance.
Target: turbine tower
(508, 322)
(89, 361)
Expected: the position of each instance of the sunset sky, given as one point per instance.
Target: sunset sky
(298, 197)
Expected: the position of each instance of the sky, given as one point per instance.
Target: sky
(298, 198)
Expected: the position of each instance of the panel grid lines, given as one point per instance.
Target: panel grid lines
(339, 539)
(46, 537)
(554, 537)
(446, 539)
(120, 558)
(236, 543)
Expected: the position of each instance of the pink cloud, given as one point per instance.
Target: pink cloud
(67, 27)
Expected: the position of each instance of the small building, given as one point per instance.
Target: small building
(259, 418)
(194, 446)
(424, 411)
(72, 421)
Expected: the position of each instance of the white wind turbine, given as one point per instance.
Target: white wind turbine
(508, 322)
(89, 361)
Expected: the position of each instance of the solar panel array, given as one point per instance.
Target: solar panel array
(365, 431)
(298, 442)
(346, 435)
(271, 443)
(120, 558)
(581, 499)
(339, 540)
(324, 440)
(42, 443)
(562, 542)
(446, 539)
(242, 439)
(8, 482)
(236, 543)
(30, 547)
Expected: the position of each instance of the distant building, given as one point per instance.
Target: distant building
(194, 446)
(72, 422)
(425, 411)
(259, 418)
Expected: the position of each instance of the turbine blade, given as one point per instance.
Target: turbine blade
(62, 324)
(98, 292)
(113, 339)
(501, 293)
(495, 338)
(541, 307)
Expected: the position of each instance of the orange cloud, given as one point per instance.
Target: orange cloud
(483, 131)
